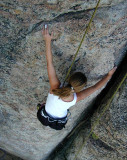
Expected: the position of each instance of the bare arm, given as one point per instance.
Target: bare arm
(86, 92)
(53, 79)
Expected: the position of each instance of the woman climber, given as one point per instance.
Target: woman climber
(61, 98)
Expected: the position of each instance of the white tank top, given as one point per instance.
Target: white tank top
(56, 107)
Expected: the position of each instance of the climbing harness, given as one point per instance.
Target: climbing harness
(39, 106)
(86, 31)
(97, 121)
(48, 120)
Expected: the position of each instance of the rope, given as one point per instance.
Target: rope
(81, 41)
(97, 121)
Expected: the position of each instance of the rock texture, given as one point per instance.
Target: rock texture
(112, 130)
(24, 81)
(6, 156)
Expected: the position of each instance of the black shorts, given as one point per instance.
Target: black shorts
(47, 120)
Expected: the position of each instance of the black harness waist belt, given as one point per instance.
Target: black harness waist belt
(52, 119)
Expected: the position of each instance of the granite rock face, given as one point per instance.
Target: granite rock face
(24, 80)
(112, 129)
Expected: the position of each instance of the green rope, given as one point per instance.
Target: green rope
(81, 41)
(97, 121)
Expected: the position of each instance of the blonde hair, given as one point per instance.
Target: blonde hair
(76, 83)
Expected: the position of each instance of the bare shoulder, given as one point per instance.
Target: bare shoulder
(85, 93)
(78, 97)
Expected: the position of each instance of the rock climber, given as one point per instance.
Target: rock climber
(54, 113)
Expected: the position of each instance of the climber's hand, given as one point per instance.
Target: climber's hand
(111, 72)
(45, 33)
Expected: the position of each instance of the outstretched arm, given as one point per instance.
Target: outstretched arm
(86, 92)
(53, 79)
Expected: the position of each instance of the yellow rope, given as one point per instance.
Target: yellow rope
(97, 121)
(82, 41)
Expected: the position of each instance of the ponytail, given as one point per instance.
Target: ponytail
(63, 92)
(76, 83)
